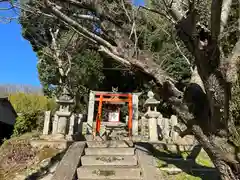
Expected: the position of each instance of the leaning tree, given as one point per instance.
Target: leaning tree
(204, 106)
(38, 29)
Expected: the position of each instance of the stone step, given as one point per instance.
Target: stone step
(108, 172)
(109, 160)
(109, 144)
(110, 151)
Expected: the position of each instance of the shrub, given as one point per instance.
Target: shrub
(27, 122)
(31, 108)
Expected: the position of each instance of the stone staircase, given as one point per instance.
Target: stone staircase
(112, 160)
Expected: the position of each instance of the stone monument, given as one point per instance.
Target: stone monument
(164, 127)
(173, 123)
(47, 120)
(63, 114)
(149, 121)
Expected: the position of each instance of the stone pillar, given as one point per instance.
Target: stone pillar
(47, 120)
(135, 114)
(144, 129)
(90, 112)
(160, 125)
(165, 128)
(174, 122)
(55, 124)
(153, 132)
(79, 123)
(135, 127)
(160, 117)
(71, 127)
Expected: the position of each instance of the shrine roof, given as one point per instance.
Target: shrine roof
(110, 92)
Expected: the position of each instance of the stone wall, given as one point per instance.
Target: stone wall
(74, 124)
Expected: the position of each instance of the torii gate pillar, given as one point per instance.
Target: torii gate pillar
(90, 112)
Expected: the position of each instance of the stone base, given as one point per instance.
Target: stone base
(51, 141)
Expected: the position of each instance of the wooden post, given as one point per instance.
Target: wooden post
(99, 115)
(130, 111)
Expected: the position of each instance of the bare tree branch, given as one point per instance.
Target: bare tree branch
(76, 25)
(126, 12)
(69, 64)
(150, 68)
(87, 17)
(92, 6)
(186, 59)
(56, 52)
(115, 57)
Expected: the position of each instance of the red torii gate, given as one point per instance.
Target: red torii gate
(102, 97)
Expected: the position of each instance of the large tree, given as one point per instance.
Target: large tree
(87, 67)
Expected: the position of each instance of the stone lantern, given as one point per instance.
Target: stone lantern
(151, 115)
(63, 114)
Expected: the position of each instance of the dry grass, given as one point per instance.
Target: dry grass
(17, 156)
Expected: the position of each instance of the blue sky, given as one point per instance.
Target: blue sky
(138, 2)
(18, 61)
